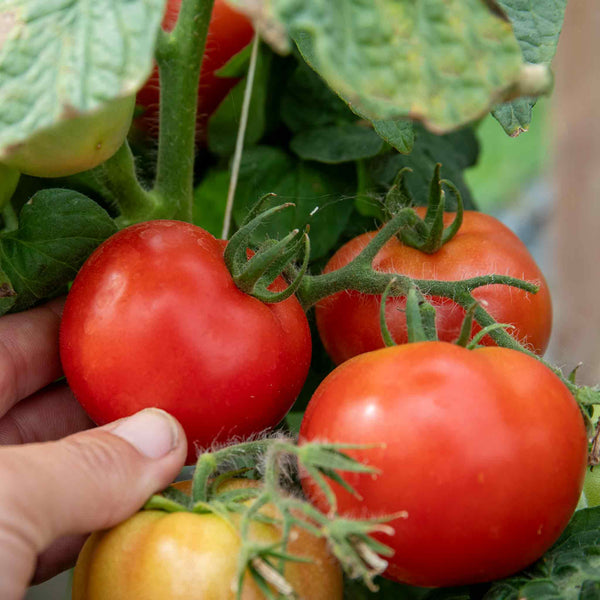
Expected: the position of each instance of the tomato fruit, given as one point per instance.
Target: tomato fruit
(348, 322)
(154, 319)
(75, 144)
(228, 33)
(185, 556)
(482, 456)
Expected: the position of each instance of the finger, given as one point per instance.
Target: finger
(88, 481)
(29, 357)
(60, 556)
(50, 414)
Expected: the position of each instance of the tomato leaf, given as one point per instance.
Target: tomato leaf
(58, 230)
(455, 151)
(224, 123)
(308, 103)
(63, 58)
(320, 193)
(337, 144)
(444, 61)
(398, 134)
(537, 25)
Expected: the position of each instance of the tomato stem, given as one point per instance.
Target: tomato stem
(179, 57)
(118, 177)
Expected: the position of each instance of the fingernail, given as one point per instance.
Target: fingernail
(152, 432)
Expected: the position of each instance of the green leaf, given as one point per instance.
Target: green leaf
(237, 65)
(537, 25)
(62, 58)
(444, 62)
(224, 123)
(210, 199)
(455, 151)
(58, 230)
(321, 194)
(569, 570)
(337, 143)
(308, 103)
(398, 134)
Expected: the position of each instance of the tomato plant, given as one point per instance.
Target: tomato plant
(155, 319)
(229, 32)
(481, 455)
(76, 144)
(348, 322)
(183, 556)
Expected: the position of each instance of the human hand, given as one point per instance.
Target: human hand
(53, 492)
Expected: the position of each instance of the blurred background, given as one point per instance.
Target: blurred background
(545, 185)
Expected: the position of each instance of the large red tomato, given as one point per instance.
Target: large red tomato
(155, 319)
(348, 321)
(229, 31)
(481, 455)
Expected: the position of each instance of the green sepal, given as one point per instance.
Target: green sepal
(254, 276)
(467, 326)
(429, 234)
(420, 318)
(158, 502)
(386, 334)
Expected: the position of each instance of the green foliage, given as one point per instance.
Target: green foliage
(537, 24)
(456, 151)
(443, 62)
(58, 230)
(63, 58)
(320, 193)
(224, 123)
(337, 143)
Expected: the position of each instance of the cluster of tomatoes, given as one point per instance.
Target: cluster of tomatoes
(481, 453)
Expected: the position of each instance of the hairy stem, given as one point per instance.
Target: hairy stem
(179, 57)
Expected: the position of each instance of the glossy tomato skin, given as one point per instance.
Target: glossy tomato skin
(482, 455)
(155, 319)
(348, 322)
(185, 556)
(229, 32)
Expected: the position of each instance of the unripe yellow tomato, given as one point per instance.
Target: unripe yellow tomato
(156, 555)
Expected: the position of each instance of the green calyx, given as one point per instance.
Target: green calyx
(270, 460)
(428, 234)
(255, 275)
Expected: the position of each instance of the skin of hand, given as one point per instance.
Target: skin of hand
(61, 478)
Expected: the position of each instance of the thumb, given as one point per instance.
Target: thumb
(88, 481)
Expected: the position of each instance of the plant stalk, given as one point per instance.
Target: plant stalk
(179, 57)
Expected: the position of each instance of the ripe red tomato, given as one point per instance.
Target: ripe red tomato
(155, 319)
(229, 32)
(482, 456)
(191, 556)
(348, 322)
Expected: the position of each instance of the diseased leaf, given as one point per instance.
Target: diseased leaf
(321, 194)
(537, 25)
(337, 144)
(58, 230)
(62, 58)
(445, 62)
